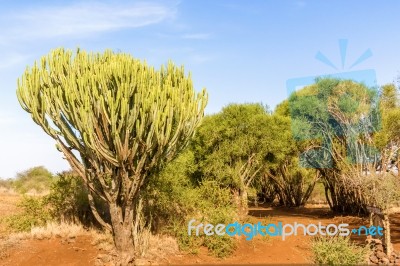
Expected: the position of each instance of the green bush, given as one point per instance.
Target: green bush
(67, 197)
(35, 212)
(68, 200)
(187, 243)
(220, 246)
(169, 195)
(337, 250)
(214, 206)
(37, 178)
(6, 183)
(173, 198)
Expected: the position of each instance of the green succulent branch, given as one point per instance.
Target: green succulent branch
(115, 119)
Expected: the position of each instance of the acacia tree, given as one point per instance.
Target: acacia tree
(232, 146)
(116, 120)
(292, 183)
(337, 120)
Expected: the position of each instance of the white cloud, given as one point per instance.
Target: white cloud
(22, 143)
(81, 19)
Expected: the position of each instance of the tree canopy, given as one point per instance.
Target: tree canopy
(116, 120)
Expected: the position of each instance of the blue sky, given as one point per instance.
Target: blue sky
(241, 51)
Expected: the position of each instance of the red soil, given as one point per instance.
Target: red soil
(293, 250)
(54, 251)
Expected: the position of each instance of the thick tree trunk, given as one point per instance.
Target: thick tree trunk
(122, 223)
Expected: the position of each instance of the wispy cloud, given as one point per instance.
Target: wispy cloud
(197, 36)
(81, 19)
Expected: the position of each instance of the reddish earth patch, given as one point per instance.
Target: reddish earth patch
(293, 250)
(74, 252)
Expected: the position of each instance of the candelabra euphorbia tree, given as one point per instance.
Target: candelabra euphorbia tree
(116, 120)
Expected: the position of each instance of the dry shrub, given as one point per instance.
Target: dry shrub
(34, 212)
(63, 230)
(151, 247)
(5, 190)
(160, 247)
(337, 251)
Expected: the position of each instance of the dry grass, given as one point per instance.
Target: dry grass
(61, 230)
(4, 190)
(151, 248)
(159, 248)
(8, 206)
(51, 230)
(8, 201)
(103, 240)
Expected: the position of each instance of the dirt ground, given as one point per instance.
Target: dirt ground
(52, 252)
(293, 250)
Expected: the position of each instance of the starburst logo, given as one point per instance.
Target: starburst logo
(322, 156)
(343, 53)
(366, 76)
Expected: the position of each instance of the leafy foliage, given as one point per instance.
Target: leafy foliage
(336, 120)
(34, 212)
(338, 251)
(231, 147)
(68, 200)
(293, 183)
(173, 198)
(225, 141)
(388, 138)
(37, 179)
(245, 147)
(6, 183)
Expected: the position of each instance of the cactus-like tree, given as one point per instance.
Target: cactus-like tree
(116, 120)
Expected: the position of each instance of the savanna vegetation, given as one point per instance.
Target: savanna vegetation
(144, 160)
